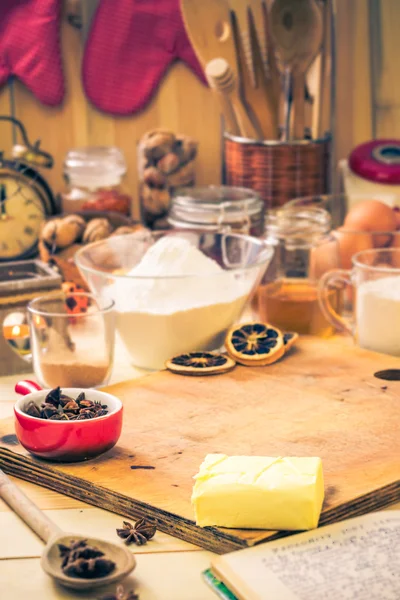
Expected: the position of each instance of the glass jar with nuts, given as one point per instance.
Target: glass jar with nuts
(94, 177)
(165, 161)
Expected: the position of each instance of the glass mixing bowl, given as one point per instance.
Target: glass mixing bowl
(169, 298)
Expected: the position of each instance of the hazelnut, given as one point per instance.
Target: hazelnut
(184, 176)
(154, 178)
(168, 163)
(96, 229)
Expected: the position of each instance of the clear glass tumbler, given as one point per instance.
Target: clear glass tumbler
(72, 340)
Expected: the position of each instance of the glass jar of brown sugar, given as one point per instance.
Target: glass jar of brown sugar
(218, 208)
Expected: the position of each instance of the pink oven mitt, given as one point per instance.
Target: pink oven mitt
(30, 47)
(130, 46)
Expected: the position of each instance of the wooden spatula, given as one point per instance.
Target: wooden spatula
(296, 26)
(208, 26)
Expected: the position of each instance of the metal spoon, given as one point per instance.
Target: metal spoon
(50, 533)
(297, 29)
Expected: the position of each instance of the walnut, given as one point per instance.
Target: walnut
(59, 233)
(154, 178)
(96, 229)
(184, 176)
(156, 202)
(168, 163)
(156, 143)
(186, 148)
(78, 222)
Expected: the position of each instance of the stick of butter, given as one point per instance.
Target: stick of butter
(259, 492)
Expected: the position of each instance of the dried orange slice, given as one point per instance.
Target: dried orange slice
(289, 339)
(255, 344)
(200, 363)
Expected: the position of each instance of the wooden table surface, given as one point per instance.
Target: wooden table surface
(167, 568)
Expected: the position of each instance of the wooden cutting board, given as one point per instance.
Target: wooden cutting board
(322, 399)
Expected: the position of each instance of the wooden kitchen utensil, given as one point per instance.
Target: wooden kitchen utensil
(221, 77)
(255, 98)
(321, 97)
(296, 27)
(208, 26)
(273, 71)
(50, 533)
(239, 9)
(264, 104)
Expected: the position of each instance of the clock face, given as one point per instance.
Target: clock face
(22, 213)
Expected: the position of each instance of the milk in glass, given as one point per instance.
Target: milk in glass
(378, 315)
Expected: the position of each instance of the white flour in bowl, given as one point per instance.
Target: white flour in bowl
(378, 315)
(160, 318)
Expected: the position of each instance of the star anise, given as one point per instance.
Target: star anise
(120, 594)
(81, 560)
(139, 533)
(60, 407)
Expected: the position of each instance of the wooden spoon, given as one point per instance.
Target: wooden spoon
(221, 77)
(297, 29)
(50, 533)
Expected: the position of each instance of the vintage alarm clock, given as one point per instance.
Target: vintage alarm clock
(26, 200)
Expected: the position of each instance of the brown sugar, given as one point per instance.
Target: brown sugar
(73, 374)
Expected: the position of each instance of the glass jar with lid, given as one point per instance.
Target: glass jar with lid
(218, 208)
(94, 178)
(305, 249)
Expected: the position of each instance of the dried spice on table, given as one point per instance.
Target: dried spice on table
(81, 560)
(60, 407)
(120, 594)
(139, 533)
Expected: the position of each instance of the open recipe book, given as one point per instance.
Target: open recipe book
(357, 559)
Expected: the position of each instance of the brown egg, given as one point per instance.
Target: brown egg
(371, 215)
(324, 258)
(351, 242)
(396, 211)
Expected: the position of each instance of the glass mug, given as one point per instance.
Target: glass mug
(68, 338)
(375, 278)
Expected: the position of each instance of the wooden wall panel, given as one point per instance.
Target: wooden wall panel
(387, 76)
(182, 104)
(365, 103)
(353, 88)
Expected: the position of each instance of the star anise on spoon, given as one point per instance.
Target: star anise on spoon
(139, 533)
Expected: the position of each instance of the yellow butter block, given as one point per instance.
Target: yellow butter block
(259, 492)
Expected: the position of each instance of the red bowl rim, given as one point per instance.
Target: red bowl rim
(41, 394)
